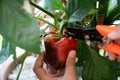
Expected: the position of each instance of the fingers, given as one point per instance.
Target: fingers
(51, 70)
(38, 69)
(118, 58)
(70, 66)
(117, 41)
(114, 35)
(112, 56)
(39, 62)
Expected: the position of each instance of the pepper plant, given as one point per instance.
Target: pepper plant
(20, 28)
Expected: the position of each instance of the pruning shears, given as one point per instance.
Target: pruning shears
(98, 34)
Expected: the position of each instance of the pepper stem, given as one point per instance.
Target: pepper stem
(62, 27)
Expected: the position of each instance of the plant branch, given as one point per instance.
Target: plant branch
(62, 26)
(22, 63)
(40, 8)
(45, 21)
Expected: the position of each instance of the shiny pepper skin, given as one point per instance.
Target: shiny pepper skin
(57, 51)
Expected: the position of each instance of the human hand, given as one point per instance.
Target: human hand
(115, 37)
(69, 71)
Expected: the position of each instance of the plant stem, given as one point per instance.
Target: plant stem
(40, 8)
(62, 26)
(22, 63)
(45, 21)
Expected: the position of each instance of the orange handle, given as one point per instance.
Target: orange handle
(111, 47)
(104, 30)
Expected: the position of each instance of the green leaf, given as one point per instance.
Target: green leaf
(56, 20)
(5, 51)
(81, 53)
(118, 2)
(4, 43)
(76, 10)
(103, 7)
(13, 51)
(116, 66)
(52, 5)
(93, 11)
(111, 5)
(97, 67)
(19, 27)
(45, 21)
(113, 14)
(118, 70)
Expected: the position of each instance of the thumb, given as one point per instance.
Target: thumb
(70, 62)
(70, 71)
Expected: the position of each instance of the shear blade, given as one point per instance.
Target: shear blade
(80, 33)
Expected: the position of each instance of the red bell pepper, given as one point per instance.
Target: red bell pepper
(57, 51)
